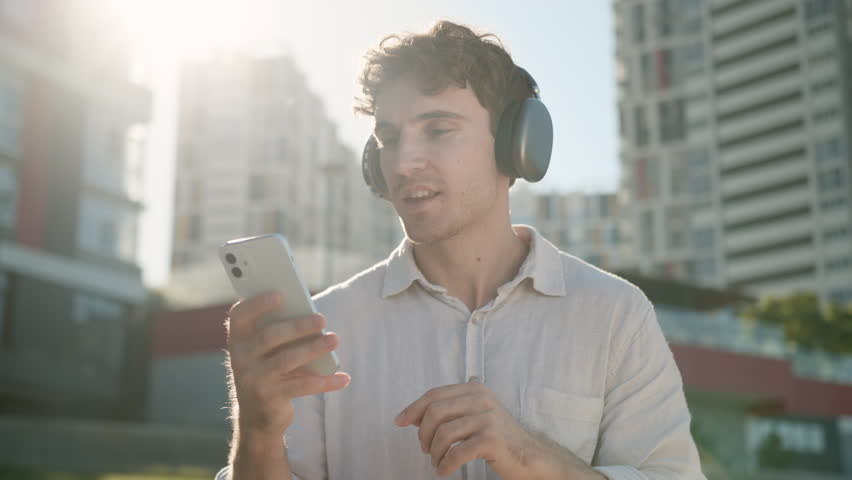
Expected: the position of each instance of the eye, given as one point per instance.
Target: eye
(437, 132)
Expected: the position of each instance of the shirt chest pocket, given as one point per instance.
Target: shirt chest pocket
(569, 419)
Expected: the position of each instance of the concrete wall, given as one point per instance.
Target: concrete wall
(189, 390)
(92, 446)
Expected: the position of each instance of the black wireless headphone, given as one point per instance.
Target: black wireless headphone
(522, 145)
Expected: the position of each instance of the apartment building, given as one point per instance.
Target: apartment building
(735, 120)
(257, 153)
(72, 134)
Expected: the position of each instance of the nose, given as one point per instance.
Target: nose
(410, 156)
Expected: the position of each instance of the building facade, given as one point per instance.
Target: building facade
(586, 225)
(735, 119)
(258, 154)
(72, 134)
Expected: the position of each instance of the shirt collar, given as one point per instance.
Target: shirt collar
(543, 265)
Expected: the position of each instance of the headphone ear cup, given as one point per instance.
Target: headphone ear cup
(524, 140)
(532, 140)
(371, 169)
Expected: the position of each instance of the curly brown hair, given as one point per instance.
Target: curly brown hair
(447, 53)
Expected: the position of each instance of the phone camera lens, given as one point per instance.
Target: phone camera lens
(230, 258)
(237, 272)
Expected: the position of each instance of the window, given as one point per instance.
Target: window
(105, 162)
(821, 86)
(835, 234)
(698, 164)
(819, 9)
(825, 115)
(677, 226)
(646, 179)
(841, 297)
(11, 112)
(704, 238)
(646, 232)
(835, 265)
(99, 328)
(672, 120)
(664, 17)
(8, 196)
(828, 149)
(638, 21)
(688, 61)
(678, 17)
(640, 121)
(705, 269)
(106, 228)
(647, 72)
(832, 179)
(833, 203)
(822, 57)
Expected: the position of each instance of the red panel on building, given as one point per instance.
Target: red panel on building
(767, 379)
(35, 158)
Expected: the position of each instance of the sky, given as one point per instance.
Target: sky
(567, 46)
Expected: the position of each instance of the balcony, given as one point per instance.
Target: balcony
(751, 39)
(760, 177)
(751, 268)
(754, 238)
(123, 284)
(764, 64)
(750, 152)
(785, 112)
(762, 91)
(767, 205)
(744, 16)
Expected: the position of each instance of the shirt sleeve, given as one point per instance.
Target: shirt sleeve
(305, 439)
(645, 426)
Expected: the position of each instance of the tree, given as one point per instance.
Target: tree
(806, 323)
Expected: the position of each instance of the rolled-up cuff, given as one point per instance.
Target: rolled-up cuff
(618, 472)
(225, 474)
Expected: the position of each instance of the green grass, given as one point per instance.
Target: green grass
(14, 473)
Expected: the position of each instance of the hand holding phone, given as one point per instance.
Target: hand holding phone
(277, 344)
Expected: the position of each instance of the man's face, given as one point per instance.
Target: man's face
(437, 159)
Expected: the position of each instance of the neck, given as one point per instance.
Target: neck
(473, 264)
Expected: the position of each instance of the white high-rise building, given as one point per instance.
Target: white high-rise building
(735, 120)
(257, 153)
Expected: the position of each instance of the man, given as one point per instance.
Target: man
(477, 349)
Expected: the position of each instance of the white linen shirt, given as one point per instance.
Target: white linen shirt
(571, 351)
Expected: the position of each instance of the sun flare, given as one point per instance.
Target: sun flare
(184, 28)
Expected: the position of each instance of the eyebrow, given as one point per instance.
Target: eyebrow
(381, 125)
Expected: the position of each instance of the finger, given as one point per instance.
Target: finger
(291, 357)
(244, 314)
(470, 449)
(442, 411)
(413, 413)
(304, 385)
(275, 334)
(451, 432)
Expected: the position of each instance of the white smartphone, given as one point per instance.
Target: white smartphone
(264, 263)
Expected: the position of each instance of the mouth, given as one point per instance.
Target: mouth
(419, 198)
